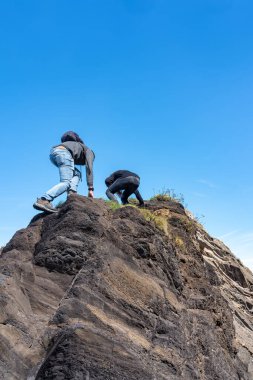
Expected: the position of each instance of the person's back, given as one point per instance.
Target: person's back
(79, 151)
(119, 174)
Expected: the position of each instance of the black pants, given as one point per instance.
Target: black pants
(128, 184)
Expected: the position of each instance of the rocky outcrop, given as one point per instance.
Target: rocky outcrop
(124, 294)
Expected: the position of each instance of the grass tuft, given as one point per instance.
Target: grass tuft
(166, 195)
(179, 242)
(133, 201)
(113, 205)
(159, 221)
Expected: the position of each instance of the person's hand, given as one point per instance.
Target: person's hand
(91, 194)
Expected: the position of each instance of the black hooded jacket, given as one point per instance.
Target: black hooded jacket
(119, 174)
(124, 174)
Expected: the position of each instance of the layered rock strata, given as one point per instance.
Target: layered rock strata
(127, 294)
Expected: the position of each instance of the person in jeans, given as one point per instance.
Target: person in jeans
(123, 183)
(70, 152)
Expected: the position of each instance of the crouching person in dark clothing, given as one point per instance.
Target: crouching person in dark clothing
(70, 152)
(123, 183)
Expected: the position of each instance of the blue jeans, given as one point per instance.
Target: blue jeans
(69, 175)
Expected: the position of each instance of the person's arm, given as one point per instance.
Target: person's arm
(89, 171)
(139, 197)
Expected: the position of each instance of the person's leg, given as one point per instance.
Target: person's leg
(75, 181)
(65, 163)
(116, 187)
(130, 187)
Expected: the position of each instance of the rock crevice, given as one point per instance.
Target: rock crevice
(95, 293)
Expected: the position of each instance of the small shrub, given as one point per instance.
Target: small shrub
(166, 195)
(161, 198)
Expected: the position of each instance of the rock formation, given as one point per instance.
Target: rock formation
(123, 294)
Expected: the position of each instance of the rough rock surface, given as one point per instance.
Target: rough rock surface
(94, 293)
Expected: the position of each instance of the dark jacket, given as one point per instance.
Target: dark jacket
(82, 155)
(119, 174)
(123, 174)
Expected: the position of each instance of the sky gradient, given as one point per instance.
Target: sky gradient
(158, 87)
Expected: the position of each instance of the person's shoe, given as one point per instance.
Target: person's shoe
(44, 205)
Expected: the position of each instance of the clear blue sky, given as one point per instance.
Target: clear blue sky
(160, 87)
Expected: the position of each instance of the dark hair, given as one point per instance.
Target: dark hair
(71, 136)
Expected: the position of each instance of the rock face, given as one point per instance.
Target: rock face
(94, 293)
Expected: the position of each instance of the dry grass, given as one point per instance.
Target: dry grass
(161, 198)
(159, 221)
(133, 201)
(113, 205)
(167, 195)
(179, 243)
(182, 222)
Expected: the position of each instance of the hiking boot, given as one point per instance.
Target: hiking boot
(43, 204)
